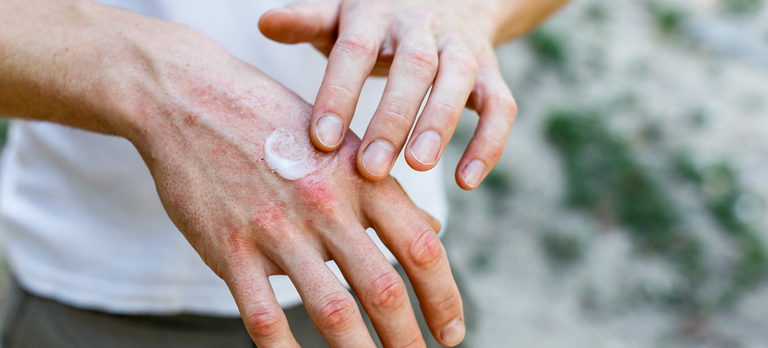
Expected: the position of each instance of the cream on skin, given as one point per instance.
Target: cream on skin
(287, 157)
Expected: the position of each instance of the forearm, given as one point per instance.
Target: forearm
(513, 18)
(80, 64)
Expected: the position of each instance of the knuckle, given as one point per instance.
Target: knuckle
(462, 60)
(422, 59)
(357, 44)
(495, 145)
(267, 217)
(235, 237)
(495, 142)
(319, 190)
(340, 91)
(422, 15)
(397, 117)
(337, 312)
(387, 292)
(425, 248)
(448, 304)
(448, 112)
(417, 342)
(263, 321)
(507, 105)
(510, 106)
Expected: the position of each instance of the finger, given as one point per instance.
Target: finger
(261, 313)
(330, 305)
(349, 64)
(412, 73)
(434, 223)
(382, 292)
(453, 85)
(418, 249)
(497, 109)
(301, 22)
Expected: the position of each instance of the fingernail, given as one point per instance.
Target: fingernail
(329, 129)
(377, 158)
(473, 173)
(425, 148)
(453, 333)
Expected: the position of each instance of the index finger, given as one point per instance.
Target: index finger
(349, 65)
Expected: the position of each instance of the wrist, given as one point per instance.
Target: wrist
(509, 19)
(151, 74)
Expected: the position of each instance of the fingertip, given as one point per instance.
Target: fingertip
(275, 24)
(327, 132)
(375, 161)
(453, 333)
(424, 151)
(471, 175)
(290, 25)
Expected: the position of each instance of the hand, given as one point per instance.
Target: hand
(445, 45)
(200, 119)
(248, 223)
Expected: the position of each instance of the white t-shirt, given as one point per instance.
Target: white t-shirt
(83, 222)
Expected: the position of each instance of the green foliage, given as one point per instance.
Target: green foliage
(4, 123)
(698, 118)
(683, 163)
(721, 191)
(501, 185)
(548, 46)
(669, 20)
(604, 178)
(562, 248)
(481, 261)
(500, 182)
(652, 131)
(596, 13)
(603, 175)
(742, 6)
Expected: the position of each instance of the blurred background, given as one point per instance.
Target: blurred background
(629, 208)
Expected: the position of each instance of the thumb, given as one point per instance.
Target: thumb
(301, 22)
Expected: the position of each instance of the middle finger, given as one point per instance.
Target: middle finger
(412, 73)
(330, 306)
(381, 290)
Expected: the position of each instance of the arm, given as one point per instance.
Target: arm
(201, 119)
(513, 18)
(420, 44)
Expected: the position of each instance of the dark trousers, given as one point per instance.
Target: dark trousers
(33, 321)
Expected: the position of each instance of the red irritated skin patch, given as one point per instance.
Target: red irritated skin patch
(239, 176)
(200, 118)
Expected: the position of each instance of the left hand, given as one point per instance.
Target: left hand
(446, 45)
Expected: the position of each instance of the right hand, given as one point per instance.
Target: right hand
(204, 144)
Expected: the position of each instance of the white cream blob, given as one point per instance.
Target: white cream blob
(287, 157)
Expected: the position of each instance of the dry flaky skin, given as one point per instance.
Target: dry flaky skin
(199, 118)
(221, 193)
